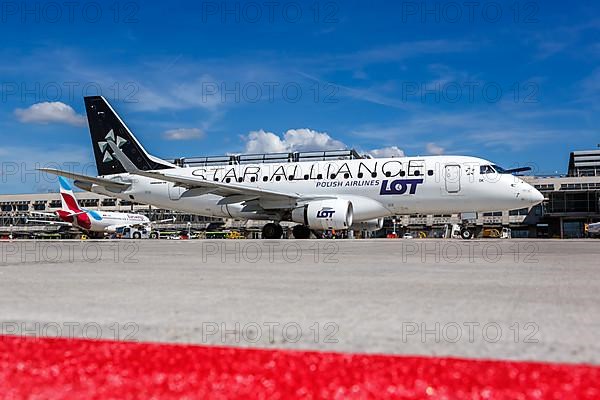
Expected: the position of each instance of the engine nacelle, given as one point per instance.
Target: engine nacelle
(325, 214)
(371, 225)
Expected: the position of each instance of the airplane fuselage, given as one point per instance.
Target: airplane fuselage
(102, 221)
(376, 187)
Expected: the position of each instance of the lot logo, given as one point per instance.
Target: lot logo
(325, 212)
(400, 186)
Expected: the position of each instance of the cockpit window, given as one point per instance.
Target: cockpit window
(486, 169)
(492, 169)
(499, 169)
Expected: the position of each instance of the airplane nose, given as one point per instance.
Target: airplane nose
(531, 195)
(538, 197)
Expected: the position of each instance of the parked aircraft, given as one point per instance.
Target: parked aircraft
(319, 195)
(89, 220)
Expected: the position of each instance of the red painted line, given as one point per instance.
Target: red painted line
(66, 368)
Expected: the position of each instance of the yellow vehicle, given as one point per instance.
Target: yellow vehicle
(495, 233)
(235, 235)
(491, 233)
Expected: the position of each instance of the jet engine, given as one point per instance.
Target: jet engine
(325, 214)
(371, 225)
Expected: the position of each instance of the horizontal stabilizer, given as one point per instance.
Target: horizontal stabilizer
(107, 183)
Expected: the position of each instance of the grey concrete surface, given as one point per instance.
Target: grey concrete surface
(513, 299)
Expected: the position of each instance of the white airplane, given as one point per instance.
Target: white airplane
(318, 195)
(89, 220)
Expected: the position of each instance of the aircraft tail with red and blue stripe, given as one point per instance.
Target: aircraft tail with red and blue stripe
(69, 202)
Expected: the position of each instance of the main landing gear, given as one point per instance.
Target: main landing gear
(301, 232)
(272, 231)
(275, 231)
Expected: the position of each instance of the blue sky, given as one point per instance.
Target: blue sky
(514, 82)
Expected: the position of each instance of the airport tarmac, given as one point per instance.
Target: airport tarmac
(512, 299)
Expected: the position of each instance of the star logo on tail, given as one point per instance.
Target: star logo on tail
(110, 136)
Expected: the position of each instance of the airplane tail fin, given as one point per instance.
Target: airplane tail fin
(67, 197)
(105, 125)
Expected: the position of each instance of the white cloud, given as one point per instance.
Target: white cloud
(183, 134)
(264, 142)
(433, 148)
(293, 140)
(387, 152)
(305, 140)
(50, 113)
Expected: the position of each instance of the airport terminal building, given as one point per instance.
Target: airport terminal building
(572, 201)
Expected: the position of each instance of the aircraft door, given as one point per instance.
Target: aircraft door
(452, 178)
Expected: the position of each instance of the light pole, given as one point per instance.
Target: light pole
(10, 235)
(394, 226)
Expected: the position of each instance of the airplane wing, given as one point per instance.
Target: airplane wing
(42, 214)
(164, 220)
(232, 193)
(48, 222)
(107, 183)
